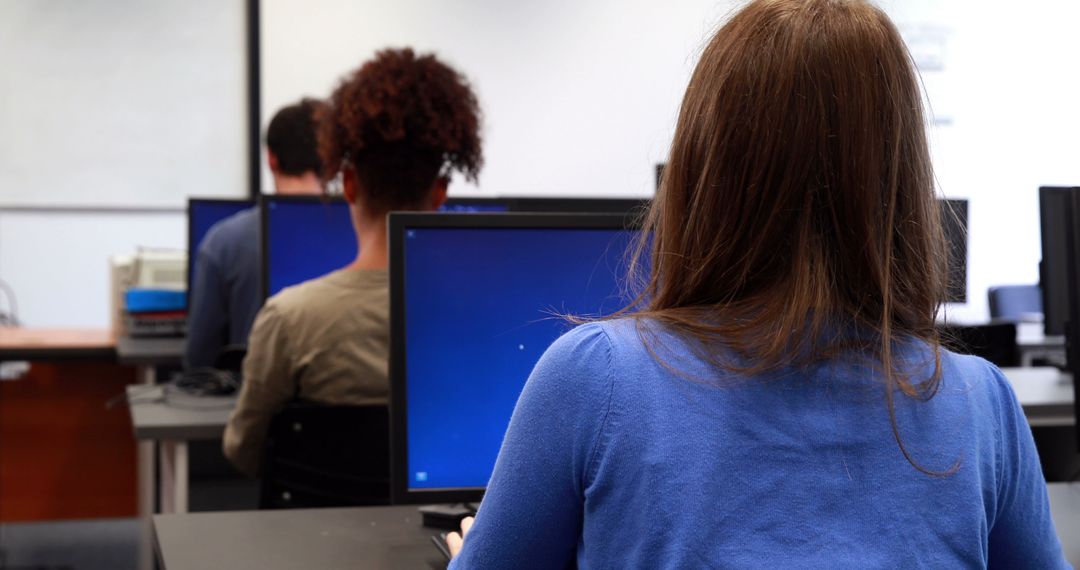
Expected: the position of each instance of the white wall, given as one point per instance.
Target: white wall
(580, 96)
(107, 106)
(1008, 91)
(57, 261)
(121, 103)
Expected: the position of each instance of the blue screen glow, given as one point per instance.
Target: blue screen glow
(204, 214)
(308, 239)
(480, 309)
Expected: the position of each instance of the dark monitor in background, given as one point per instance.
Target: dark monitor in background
(954, 222)
(1053, 268)
(625, 206)
(1072, 318)
(305, 237)
(203, 213)
(474, 302)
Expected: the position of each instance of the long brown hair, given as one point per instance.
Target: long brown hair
(796, 218)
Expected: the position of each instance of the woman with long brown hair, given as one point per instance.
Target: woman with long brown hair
(778, 396)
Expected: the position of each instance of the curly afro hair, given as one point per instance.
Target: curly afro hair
(401, 121)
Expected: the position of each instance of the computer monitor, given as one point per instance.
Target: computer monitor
(1053, 268)
(304, 237)
(625, 206)
(954, 221)
(203, 213)
(474, 301)
(1072, 320)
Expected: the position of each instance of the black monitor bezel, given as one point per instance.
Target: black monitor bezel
(191, 249)
(1072, 321)
(398, 224)
(264, 223)
(1054, 318)
(592, 205)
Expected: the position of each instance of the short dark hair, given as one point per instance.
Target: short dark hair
(291, 137)
(401, 121)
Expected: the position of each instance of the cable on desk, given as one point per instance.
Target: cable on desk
(198, 389)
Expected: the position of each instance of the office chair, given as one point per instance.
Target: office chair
(1015, 303)
(994, 342)
(326, 456)
(231, 358)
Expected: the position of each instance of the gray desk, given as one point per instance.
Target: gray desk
(147, 354)
(328, 539)
(1045, 393)
(378, 537)
(1065, 507)
(1033, 343)
(173, 422)
(150, 351)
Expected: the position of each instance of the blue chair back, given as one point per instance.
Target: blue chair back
(1015, 303)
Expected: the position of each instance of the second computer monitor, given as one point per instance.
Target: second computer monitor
(475, 301)
(203, 214)
(305, 237)
(1054, 219)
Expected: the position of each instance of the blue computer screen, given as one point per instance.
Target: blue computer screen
(204, 214)
(305, 240)
(308, 239)
(479, 307)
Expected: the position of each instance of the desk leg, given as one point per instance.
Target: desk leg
(174, 476)
(146, 470)
(146, 504)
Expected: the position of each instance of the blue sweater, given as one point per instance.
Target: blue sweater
(614, 461)
(226, 294)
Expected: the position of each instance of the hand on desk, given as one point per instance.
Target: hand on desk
(455, 540)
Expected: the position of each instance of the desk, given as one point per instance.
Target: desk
(378, 537)
(1033, 343)
(330, 539)
(150, 351)
(17, 343)
(1046, 395)
(55, 428)
(173, 422)
(1065, 508)
(146, 354)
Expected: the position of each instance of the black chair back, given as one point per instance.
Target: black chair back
(327, 456)
(994, 342)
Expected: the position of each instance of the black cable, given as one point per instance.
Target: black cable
(206, 382)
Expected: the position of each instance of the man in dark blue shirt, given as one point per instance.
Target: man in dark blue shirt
(225, 292)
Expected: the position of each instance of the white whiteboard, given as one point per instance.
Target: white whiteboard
(579, 97)
(121, 103)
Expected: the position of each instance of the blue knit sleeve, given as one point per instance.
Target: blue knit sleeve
(531, 516)
(1022, 535)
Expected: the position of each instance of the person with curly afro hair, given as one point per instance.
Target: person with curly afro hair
(394, 130)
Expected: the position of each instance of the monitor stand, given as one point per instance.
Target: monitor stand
(446, 517)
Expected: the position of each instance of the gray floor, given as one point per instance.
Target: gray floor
(100, 544)
(105, 544)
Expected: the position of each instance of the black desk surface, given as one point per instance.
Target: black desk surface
(328, 539)
(379, 537)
